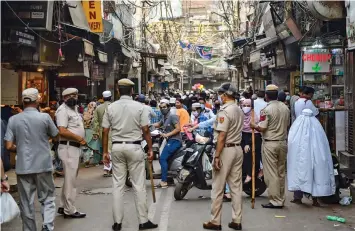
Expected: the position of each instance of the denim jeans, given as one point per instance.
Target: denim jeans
(171, 147)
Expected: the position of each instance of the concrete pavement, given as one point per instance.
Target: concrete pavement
(95, 199)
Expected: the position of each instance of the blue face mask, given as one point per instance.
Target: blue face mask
(202, 106)
(288, 98)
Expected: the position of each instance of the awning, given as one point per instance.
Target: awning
(77, 14)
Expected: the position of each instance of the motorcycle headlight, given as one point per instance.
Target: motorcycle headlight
(192, 157)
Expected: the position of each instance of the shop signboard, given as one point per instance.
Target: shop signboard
(93, 14)
(23, 38)
(32, 14)
(316, 61)
(98, 72)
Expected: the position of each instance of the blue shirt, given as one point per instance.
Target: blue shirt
(205, 121)
(158, 118)
(30, 131)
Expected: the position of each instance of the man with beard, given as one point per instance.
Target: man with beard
(72, 136)
(172, 129)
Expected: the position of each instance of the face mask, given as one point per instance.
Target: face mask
(288, 98)
(246, 110)
(71, 102)
(202, 106)
(165, 111)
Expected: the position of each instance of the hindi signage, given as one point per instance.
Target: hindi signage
(93, 15)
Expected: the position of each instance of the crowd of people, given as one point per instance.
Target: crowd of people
(111, 133)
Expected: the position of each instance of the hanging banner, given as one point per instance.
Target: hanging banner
(93, 14)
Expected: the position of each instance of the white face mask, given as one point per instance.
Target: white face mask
(246, 110)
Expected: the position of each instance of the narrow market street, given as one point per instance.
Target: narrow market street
(94, 198)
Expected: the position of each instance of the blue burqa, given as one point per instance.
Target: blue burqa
(309, 160)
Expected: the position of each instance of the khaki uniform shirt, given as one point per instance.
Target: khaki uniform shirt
(230, 120)
(126, 118)
(275, 117)
(70, 119)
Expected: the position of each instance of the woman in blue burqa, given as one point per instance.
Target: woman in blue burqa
(309, 160)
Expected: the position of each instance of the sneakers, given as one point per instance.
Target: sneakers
(147, 225)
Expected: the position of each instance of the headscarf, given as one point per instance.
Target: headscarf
(89, 114)
(247, 117)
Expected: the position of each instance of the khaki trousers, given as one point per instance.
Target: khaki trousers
(27, 186)
(274, 155)
(132, 158)
(70, 158)
(231, 171)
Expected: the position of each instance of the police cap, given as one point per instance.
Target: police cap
(271, 87)
(228, 88)
(125, 83)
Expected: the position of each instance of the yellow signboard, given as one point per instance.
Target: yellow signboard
(93, 15)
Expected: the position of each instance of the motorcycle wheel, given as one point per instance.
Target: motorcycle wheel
(180, 191)
(260, 187)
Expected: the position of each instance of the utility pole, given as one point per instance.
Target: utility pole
(145, 48)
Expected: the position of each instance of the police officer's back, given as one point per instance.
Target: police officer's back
(127, 119)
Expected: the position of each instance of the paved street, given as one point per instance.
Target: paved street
(96, 200)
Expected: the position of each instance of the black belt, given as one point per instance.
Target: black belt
(71, 143)
(231, 145)
(126, 142)
(273, 140)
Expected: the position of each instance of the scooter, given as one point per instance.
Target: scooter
(193, 173)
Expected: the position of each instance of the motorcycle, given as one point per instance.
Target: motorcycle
(193, 172)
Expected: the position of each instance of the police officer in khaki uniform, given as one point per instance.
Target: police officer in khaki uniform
(228, 159)
(72, 133)
(274, 122)
(127, 120)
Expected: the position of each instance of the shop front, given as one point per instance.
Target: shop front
(322, 68)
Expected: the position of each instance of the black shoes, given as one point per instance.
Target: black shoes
(61, 211)
(271, 206)
(147, 225)
(75, 215)
(116, 227)
(235, 226)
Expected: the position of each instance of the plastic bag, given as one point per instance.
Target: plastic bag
(9, 208)
(345, 200)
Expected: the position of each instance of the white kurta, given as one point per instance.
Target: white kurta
(309, 160)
